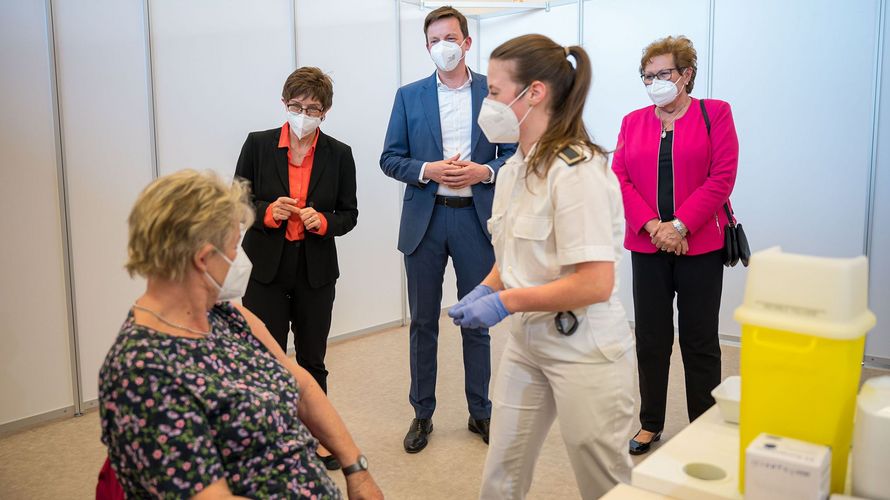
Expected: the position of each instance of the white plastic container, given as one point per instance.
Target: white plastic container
(787, 469)
(816, 296)
(729, 395)
(871, 440)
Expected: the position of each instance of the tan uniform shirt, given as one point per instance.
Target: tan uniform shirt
(541, 228)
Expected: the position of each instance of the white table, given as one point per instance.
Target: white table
(708, 440)
(628, 492)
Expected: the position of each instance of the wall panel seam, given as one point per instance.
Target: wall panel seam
(293, 14)
(580, 23)
(479, 44)
(712, 6)
(400, 189)
(150, 91)
(875, 124)
(65, 217)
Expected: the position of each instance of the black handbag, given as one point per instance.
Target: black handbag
(735, 243)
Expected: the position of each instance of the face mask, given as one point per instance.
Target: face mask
(663, 91)
(447, 54)
(301, 124)
(498, 121)
(235, 284)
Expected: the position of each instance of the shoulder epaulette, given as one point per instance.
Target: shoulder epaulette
(572, 154)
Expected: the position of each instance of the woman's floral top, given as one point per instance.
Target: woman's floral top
(179, 414)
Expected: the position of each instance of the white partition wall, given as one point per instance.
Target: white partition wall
(559, 23)
(358, 48)
(415, 60)
(804, 120)
(35, 371)
(878, 343)
(106, 135)
(804, 124)
(218, 70)
(102, 95)
(615, 34)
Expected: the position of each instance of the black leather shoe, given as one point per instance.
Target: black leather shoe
(638, 448)
(330, 461)
(418, 434)
(480, 427)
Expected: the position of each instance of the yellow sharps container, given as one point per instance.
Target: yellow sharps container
(804, 321)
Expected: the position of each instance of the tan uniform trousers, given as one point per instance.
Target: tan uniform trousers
(593, 402)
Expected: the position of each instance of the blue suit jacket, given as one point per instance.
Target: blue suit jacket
(414, 136)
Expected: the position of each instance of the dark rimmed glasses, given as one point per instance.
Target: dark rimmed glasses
(298, 108)
(664, 74)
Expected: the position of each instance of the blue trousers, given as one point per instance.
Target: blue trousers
(453, 232)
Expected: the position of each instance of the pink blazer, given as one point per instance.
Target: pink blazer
(704, 173)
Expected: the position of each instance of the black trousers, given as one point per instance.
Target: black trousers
(697, 282)
(289, 302)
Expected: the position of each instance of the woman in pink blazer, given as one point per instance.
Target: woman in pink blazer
(675, 176)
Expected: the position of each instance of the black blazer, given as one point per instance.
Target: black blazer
(331, 192)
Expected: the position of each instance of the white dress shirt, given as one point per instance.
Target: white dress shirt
(456, 121)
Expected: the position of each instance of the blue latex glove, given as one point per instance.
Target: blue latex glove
(483, 313)
(476, 293)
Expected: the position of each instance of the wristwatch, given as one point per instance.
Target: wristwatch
(361, 463)
(679, 226)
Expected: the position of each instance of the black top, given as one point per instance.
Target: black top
(331, 192)
(666, 177)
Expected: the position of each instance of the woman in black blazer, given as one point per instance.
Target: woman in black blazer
(303, 189)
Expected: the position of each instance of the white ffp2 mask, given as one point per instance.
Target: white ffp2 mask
(663, 92)
(447, 54)
(235, 283)
(302, 125)
(498, 121)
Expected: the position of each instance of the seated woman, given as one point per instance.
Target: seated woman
(196, 397)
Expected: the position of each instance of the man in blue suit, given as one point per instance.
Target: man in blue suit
(434, 145)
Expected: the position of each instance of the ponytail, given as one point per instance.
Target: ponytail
(540, 58)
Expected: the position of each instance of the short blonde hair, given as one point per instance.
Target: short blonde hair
(681, 48)
(176, 214)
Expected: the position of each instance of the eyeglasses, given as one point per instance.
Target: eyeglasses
(313, 111)
(664, 74)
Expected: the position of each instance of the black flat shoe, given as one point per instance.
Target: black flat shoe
(638, 448)
(418, 435)
(480, 427)
(330, 461)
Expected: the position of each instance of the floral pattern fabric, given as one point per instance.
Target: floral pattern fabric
(178, 414)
